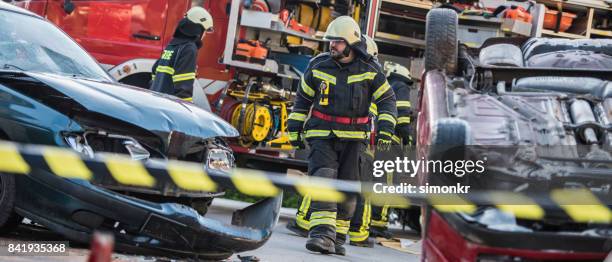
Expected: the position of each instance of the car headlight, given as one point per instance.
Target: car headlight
(77, 143)
(91, 143)
(220, 159)
(137, 151)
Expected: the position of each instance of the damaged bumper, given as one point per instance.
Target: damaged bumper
(76, 208)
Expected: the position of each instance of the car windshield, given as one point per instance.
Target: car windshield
(32, 44)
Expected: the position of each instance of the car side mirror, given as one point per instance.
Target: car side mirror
(68, 6)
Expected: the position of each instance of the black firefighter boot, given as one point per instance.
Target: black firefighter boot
(380, 232)
(295, 228)
(321, 244)
(340, 240)
(321, 239)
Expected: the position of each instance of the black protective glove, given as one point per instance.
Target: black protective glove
(296, 140)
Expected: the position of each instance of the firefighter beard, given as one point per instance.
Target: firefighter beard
(334, 159)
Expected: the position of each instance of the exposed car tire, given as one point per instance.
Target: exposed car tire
(8, 218)
(501, 55)
(537, 46)
(448, 134)
(441, 46)
(448, 141)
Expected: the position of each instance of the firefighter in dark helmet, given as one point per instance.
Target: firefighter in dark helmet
(174, 72)
(337, 89)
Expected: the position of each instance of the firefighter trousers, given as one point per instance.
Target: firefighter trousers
(335, 159)
(380, 216)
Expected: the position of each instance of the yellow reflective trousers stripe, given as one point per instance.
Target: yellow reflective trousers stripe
(302, 212)
(364, 228)
(323, 218)
(342, 226)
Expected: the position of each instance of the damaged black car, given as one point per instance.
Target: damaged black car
(53, 93)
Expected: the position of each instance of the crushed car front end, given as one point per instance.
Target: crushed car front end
(162, 219)
(75, 208)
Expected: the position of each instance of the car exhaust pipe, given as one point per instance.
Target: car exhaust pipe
(575, 85)
(581, 113)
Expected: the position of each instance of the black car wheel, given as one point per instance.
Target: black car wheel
(441, 40)
(449, 136)
(8, 218)
(449, 139)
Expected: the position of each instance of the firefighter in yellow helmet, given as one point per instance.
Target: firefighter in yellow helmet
(302, 220)
(337, 89)
(174, 72)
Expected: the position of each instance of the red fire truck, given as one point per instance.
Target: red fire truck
(248, 68)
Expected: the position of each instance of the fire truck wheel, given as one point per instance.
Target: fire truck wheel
(441, 41)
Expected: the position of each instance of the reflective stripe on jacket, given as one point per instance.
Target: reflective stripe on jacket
(344, 90)
(175, 71)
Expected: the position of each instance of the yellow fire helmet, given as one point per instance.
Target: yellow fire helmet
(343, 28)
(395, 68)
(199, 15)
(372, 47)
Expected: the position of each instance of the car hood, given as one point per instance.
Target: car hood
(149, 110)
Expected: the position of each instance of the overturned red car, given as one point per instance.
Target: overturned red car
(518, 94)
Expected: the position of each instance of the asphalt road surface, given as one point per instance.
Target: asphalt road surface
(282, 246)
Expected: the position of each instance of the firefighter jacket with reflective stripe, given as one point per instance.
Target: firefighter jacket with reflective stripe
(174, 72)
(401, 89)
(344, 90)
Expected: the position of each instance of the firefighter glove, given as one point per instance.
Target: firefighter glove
(296, 140)
(383, 140)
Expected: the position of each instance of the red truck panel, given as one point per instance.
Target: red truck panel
(107, 29)
(214, 43)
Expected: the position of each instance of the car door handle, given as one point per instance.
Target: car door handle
(148, 37)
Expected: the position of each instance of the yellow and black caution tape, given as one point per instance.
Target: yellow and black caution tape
(579, 205)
